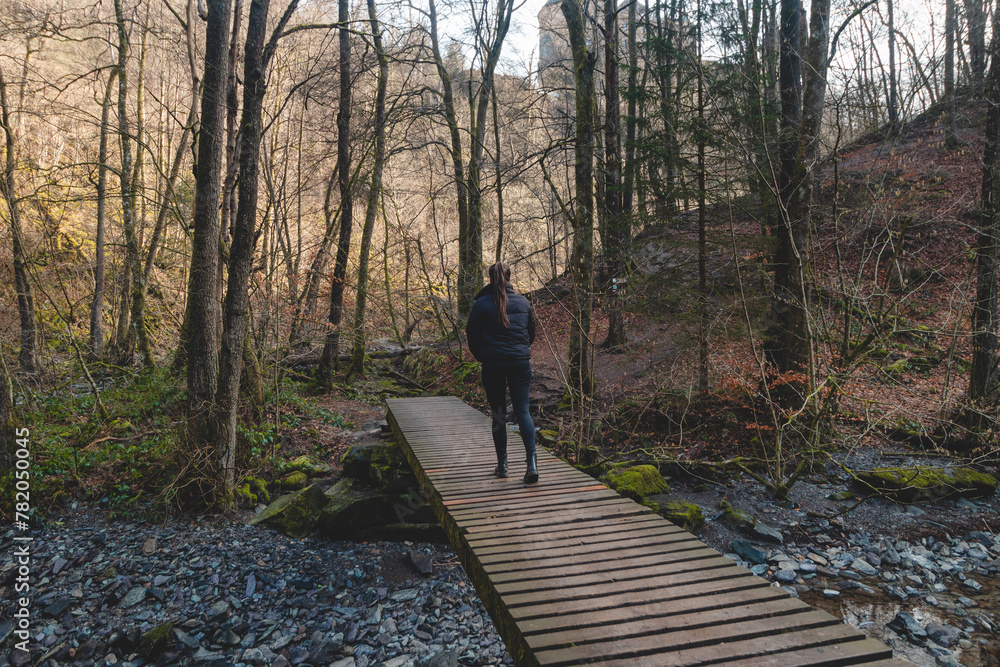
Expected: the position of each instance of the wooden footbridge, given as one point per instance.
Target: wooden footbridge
(572, 573)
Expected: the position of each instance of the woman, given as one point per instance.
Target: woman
(500, 330)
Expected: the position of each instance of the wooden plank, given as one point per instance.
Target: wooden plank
(546, 543)
(681, 619)
(639, 522)
(691, 568)
(756, 650)
(572, 574)
(621, 593)
(588, 618)
(593, 552)
(864, 651)
(611, 570)
(677, 648)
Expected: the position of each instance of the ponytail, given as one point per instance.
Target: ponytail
(499, 277)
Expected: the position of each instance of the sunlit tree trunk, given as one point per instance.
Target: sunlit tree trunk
(244, 237)
(374, 196)
(331, 349)
(138, 336)
(97, 304)
(202, 321)
(22, 284)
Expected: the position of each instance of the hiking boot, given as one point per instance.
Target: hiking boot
(501, 470)
(531, 474)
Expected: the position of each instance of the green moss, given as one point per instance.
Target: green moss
(684, 514)
(913, 484)
(294, 480)
(296, 513)
(152, 643)
(637, 482)
(734, 518)
(259, 487)
(548, 437)
(245, 497)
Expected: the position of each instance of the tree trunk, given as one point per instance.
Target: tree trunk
(975, 18)
(8, 420)
(374, 196)
(701, 137)
(457, 159)
(628, 192)
(580, 378)
(617, 221)
(470, 274)
(138, 335)
(893, 104)
(983, 378)
(244, 236)
(786, 306)
(498, 178)
(202, 323)
(328, 362)
(22, 284)
(950, 28)
(97, 304)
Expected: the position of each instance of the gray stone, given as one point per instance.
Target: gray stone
(422, 562)
(405, 595)
(132, 598)
(945, 635)
(904, 624)
(807, 566)
(768, 533)
(748, 551)
(57, 608)
(442, 659)
(296, 513)
(830, 593)
(861, 565)
(218, 612)
(786, 575)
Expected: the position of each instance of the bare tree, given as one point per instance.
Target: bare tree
(202, 322)
(139, 335)
(374, 195)
(985, 318)
(97, 304)
(580, 374)
(22, 284)
(245, 234)
(331, 348)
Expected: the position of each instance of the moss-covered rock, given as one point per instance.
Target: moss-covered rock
(244, 496)
(152, 643)
(294, 481)
(308, 465)
(382, 466)
(914, 484)
(296, 513)
(259, 487)
(637, 482)
(548, 437)
(734, 518)
(352, 507)
(684, 514)
(357, 461)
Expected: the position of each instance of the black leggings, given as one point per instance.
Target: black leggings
(498, 376)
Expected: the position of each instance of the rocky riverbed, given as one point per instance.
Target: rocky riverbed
(221, 593)
(924, 579)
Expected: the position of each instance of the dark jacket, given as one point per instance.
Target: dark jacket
(488, 339)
